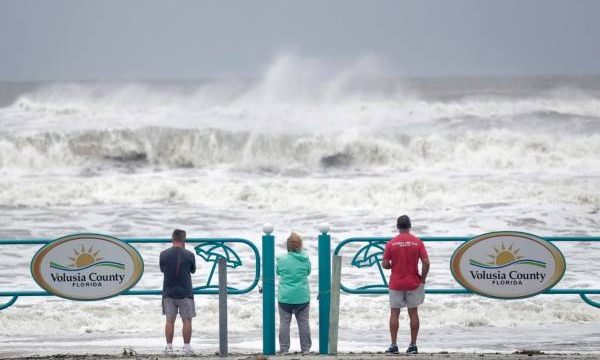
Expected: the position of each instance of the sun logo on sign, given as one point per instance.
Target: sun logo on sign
(84, 258)
(504, 256)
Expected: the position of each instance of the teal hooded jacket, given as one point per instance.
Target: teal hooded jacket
(293, 270)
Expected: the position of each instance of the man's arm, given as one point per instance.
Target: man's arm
(386, 263)
(424, 270)
(161, 263)
(193, 269)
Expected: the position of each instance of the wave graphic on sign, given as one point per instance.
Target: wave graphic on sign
(102, 263)
(85, 259)
(521, 261)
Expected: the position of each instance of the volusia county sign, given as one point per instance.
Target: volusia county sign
(87, 267)
(507, 265)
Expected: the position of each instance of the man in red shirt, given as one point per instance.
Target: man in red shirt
(406, 286)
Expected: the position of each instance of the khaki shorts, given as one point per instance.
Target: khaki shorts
(184, 306)
(409, 299)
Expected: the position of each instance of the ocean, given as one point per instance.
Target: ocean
(296, 148)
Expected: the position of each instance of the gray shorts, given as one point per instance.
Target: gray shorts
(409, 299)
(185, 307)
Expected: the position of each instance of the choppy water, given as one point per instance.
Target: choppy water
(297, 148)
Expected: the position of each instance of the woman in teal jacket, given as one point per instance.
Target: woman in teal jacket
(294, 294)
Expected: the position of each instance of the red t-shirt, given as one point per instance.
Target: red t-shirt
(404, 251)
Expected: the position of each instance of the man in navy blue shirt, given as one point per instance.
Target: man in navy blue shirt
(177, 264)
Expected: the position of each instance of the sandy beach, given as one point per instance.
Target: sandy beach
(341, 356)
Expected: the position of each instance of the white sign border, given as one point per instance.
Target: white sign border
(553, 249)
(132, 251)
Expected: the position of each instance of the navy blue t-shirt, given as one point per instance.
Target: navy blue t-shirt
(177, 264)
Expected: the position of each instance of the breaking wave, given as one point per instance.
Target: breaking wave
(171, 148)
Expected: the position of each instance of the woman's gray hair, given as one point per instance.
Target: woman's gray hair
(294, 242)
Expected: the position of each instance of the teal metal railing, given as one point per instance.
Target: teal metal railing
(209, 249)
(213, 249)
(371, 254)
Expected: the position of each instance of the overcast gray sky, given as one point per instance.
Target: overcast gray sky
(196, 39)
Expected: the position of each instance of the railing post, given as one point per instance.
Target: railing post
(334, 317)
(223, 342)
(268, 254)
(324, 245)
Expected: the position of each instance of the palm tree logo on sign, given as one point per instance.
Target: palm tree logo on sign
(212, 251)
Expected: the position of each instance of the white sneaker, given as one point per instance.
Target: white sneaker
(187, 350)
(168, 350)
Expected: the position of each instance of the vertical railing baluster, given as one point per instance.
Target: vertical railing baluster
(324, 244)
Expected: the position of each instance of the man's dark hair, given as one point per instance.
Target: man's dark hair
(403, 223)
(178, 235)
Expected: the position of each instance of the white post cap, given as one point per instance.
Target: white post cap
(324, 228)
(268, 228)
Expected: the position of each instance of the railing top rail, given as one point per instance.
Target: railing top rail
(126, 240)
(463, 239)
(466, 238)
(158, 240)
